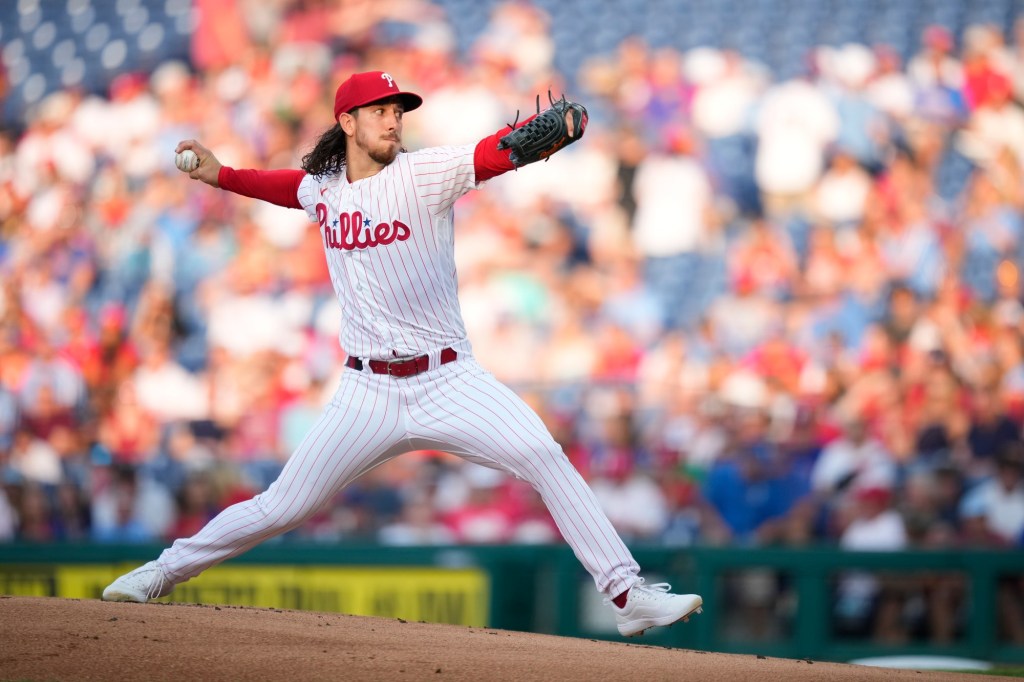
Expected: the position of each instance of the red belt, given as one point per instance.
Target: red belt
(409, 367)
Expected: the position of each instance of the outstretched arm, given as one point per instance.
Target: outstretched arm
(536, 138)
(278, 187)
(489, 161)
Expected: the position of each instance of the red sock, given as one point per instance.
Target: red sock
(620, 601)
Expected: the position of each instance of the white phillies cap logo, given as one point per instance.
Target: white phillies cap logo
(360, 89)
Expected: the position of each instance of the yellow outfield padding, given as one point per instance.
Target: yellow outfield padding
(434, 595)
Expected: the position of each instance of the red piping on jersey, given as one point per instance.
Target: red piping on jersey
(279, 187)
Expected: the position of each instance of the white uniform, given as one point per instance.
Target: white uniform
(389, 245)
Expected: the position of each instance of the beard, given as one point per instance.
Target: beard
(384, 155)
(380, 150)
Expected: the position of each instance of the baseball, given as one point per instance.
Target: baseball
(186, 161)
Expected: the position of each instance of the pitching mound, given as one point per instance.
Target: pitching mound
(66, 639)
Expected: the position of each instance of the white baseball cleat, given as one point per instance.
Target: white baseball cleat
(140, 585)
(649, 606)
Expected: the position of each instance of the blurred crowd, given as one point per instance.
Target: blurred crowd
(753, 311)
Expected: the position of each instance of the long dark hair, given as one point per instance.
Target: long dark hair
(328, 154)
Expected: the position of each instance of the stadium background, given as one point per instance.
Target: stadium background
(773, 301)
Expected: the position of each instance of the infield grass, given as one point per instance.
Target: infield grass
(999, 672)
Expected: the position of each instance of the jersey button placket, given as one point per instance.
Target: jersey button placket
(374, 314)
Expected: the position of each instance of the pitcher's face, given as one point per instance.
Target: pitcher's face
(378, 130)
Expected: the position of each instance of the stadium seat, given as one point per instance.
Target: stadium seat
(80, 43)
(34, 35)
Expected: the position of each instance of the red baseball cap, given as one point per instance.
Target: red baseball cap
(360, 89)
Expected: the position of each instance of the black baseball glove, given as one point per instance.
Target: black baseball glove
(546, 133)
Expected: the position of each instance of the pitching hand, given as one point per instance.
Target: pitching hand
(209, 167)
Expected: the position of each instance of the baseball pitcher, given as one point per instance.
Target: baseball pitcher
(386, 221)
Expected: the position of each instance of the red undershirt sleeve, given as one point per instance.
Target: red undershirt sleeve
(489, 161)
(280, 187)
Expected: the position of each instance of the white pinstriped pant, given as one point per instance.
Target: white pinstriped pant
(458, 408)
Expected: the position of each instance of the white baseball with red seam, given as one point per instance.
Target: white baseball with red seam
(186, 161)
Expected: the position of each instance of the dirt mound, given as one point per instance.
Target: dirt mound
(68, 639)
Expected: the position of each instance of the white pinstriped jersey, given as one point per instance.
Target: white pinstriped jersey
(390, 250)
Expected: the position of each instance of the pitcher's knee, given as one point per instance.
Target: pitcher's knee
(556, 456)
(278, 516)
(543, 462)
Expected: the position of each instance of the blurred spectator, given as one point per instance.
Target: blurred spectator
(72, 448)
(890, 89)
(935, 63)
(874, 526)
(129, 508)
(8, 517)
(923, 493)
(727, 88)
(673, 220)
(632, 500)
(631, 305)
(745, 488)
(795, 124)
(220, 34)
(669, 95)
(853, 461)
(369, 502)
(618, 353)
(417, 525)
(946, 494)
(48, 371)
(842, 191)
(8, 416)
(299, 415)
(476, 108)
(862, 128)
(991, 431)
(196, 505)
(938, 77)
(902, 312)
(936, 408)
(992, 232)
(910, 248)
(517, 37)
(45, 414)
(33, 459)
(187, 449)
(533, 524)
(35, 514)
(128, 432)
(483, 518)
(996, 120)
(629, 155)
(763, 257)
(743, 317)
(690, 521)
(165, 389)
(71, 516)
(999, 502)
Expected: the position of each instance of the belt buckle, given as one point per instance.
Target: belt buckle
(394, 367)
